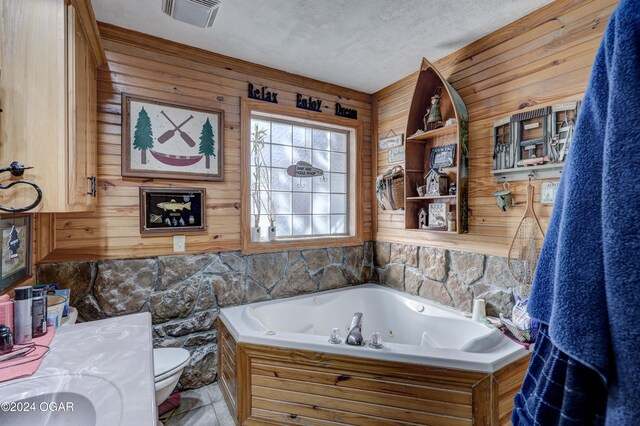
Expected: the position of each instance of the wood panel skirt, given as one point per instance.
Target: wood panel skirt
(279, 386)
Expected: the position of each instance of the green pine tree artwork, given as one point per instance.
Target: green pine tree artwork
(207, 143)
(14, 243)
(143, 136)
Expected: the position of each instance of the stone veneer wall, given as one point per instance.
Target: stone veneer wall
(449, 277)
(184, 293)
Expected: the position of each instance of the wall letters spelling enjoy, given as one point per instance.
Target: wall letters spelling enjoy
(262, 94)
(308, 104)
(346, 112)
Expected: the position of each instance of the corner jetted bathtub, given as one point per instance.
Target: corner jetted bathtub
(435, 367)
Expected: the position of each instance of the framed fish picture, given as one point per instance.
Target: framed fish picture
(172, 210)
(170, 140)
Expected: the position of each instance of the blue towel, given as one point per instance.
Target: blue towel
(587, 285)
(558, 390)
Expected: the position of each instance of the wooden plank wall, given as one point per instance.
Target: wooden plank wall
(145, 65)
(541, 59)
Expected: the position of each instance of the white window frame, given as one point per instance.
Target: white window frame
(355, 130)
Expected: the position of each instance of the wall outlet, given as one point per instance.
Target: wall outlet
(179, 243)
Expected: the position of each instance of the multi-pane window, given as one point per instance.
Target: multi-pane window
(299, 178)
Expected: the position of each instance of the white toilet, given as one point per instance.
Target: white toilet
(168, 365)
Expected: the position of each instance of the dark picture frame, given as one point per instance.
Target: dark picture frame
(171, 140)
(16, 249)
(443, 156)
(172, 210)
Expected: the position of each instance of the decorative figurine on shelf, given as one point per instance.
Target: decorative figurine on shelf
(452, 188)
(433, 118)
(451, 222)
(422, 219)
(437, 182)
(422, 190)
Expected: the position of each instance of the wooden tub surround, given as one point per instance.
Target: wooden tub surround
(272, 385)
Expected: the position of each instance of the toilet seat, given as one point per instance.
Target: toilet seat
(167, 361)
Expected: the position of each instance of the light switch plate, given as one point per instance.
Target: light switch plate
(179, 243)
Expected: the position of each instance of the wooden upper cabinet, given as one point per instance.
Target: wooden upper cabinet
(48, 93)
(82, 104)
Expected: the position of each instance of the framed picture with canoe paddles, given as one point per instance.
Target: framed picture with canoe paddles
(172, 210)
(171, 141)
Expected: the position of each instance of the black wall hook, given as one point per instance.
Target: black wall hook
(17, 169)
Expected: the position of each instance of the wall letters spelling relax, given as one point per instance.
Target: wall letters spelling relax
(262, 94)
(309, 104)
(346, 112)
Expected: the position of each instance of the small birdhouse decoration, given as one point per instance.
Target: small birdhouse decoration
(422, 219)
(437, 182)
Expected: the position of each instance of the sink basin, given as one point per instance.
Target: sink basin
(95, 373)
(62, 400)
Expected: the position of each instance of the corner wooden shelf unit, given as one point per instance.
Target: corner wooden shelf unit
(418, 149)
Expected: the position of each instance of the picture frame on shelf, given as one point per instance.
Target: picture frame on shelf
(442, 156)
(172, 210)
(438, 216)
(16, 236)
(168, 140)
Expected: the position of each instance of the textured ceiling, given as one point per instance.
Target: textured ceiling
(361, 44)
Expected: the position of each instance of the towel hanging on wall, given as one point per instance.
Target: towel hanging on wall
(587, 283)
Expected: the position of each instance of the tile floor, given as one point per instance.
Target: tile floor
(204, 406)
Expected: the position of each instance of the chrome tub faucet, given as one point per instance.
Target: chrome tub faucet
(354, 337)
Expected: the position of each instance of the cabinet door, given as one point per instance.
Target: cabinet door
(82, 104)
(33, 96)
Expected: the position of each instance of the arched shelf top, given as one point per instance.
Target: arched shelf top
(451, 104)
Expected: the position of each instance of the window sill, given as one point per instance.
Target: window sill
(300, 244)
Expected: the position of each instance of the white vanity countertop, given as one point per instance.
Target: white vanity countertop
(117, 350)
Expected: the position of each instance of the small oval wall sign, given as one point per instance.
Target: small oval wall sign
(303, 169)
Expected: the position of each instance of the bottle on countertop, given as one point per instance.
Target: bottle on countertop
(6, 339)
(39, 312)
(22, 315)
(6, 311)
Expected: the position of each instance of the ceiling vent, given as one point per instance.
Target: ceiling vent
(200, 13)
